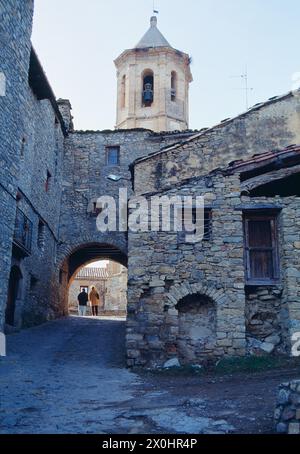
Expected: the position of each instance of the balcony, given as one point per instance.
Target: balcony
(22, 234)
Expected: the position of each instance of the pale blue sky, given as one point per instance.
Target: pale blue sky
(78, 40)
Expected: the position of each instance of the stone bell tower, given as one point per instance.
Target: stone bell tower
(153, 85)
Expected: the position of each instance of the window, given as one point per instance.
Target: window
(173, 85)
(33, 282)
(41, 235)
(148, 88)
(123, 92)
(23, 232)
(23, 145)
(113, 156)
(86, 289)
(261, 248)
(48, 181)
(97, 209)
(94, 208)
(207, 224)
(191, 215)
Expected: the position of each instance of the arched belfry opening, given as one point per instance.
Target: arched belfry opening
(173, 85)
(123, 92)
(197, 326)
(148, 88)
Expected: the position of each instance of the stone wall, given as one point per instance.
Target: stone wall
(264, 324)
(15, 31)
(287, 413)
(273, 125)
(43, 153)
(116, 292)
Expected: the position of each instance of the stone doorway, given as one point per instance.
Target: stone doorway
(15, 279)
(197, 320)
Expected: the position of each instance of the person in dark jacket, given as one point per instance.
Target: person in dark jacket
(82, 302)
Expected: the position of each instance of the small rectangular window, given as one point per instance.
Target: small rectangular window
(23, 145)
(191, 216)
(95, 209)
(113, 156)
(48, 181)
(33, 282)
(261, 248)
(41, 235)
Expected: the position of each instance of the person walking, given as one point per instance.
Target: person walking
(94, 299)
(82, 302)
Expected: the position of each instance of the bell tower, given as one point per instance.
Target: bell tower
(153, 85)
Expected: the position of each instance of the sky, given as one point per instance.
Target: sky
(78, 40)
(98, 264)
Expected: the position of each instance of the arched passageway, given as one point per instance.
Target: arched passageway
(73, 275)
(91, 252)
(110, 325)
(109, 280)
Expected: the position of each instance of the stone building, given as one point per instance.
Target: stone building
(31, 152)
(236, 292)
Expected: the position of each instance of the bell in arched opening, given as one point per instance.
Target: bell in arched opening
(148, 89)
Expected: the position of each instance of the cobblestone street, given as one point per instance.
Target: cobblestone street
(69, 376)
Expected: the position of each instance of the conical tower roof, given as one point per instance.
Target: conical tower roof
(153, 37)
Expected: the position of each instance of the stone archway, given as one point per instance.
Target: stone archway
(79, 256)
(177, 292)
(197, 328)
(192, 313)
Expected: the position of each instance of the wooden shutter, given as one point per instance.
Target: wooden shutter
(261, 249)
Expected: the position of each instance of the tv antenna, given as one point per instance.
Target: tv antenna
(246, 87)
(155, 10)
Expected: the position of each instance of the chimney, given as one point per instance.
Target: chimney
(65, 108)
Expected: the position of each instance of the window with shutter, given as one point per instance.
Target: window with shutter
(191, 215)
(261, 248)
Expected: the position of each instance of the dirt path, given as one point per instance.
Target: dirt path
(69, 376)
